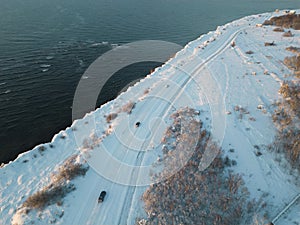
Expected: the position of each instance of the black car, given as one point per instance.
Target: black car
(102, 196)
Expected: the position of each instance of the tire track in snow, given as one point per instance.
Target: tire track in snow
(129, 189)
(293, 201)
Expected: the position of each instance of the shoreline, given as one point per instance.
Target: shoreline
(202, 38)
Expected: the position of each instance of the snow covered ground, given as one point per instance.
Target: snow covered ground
(234, 92)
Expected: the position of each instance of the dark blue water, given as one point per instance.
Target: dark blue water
(45, 46)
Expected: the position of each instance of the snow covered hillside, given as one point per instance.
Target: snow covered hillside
(229, 78)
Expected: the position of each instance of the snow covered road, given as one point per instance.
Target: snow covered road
(160, 109)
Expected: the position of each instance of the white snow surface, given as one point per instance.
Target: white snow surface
(208, 74)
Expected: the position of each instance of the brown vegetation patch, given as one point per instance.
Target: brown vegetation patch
(59, 186)
(47, 196)
(286, 21)
(293, 62)
(69, 172)
(287, 119)
(181, 138)
(192, 195)
(278, 29)
(291, 92)
(111, 117)
(287, 142)
(293, 49)
(199, 197)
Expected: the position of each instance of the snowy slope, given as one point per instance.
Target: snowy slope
(209, 75)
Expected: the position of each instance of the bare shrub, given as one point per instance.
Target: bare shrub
(128, 107)
(291, 92)
(47, 196)
(286, 21)
(111, 117)
(59, 186)
(288, 143)
(270, 43)
(278, 29)
(293, 49)
(287, 34)
(69, 172)
(292, 62)
(286, 117)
